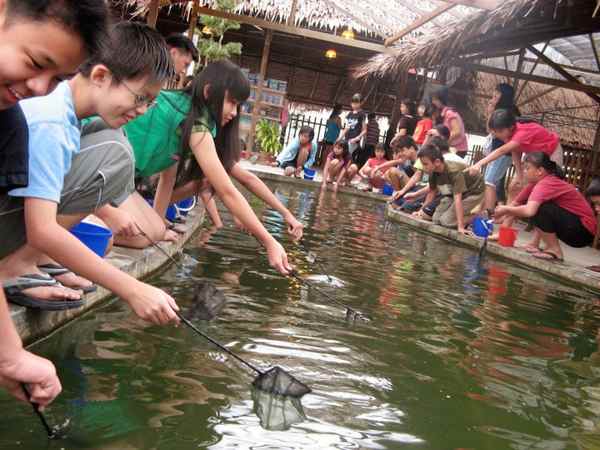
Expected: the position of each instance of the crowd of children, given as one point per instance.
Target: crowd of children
(86, 119)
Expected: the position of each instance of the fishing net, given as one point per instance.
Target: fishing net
(277, 413)
(207, 304)
(277, 381)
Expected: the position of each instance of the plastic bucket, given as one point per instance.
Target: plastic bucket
(309, 174)
(185, 206)
(172, 211)
(482, 228)
(94, 236)
(507, 237)
(388, 189)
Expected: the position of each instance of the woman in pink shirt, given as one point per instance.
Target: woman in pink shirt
(520, 137)
(453, 120)
(558, 211)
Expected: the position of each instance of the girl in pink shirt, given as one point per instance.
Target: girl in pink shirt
(453, 120)
(337, 164)
(557, 209)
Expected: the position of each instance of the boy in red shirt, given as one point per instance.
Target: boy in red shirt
(369, 172)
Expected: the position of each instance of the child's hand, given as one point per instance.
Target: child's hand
(295, 228)
(153, 305)
(278, 257)
(39, 374)
(473, 170)
(122, 223)
(170, 236)
(410, 196)
(463, 230)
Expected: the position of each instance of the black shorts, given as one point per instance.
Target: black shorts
(551, 218)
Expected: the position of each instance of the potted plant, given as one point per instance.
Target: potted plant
(267, 138)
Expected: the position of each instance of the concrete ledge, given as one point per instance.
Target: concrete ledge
(276, 174)
(567, 272)
(32, 324)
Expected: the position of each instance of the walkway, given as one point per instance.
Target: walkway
(572, 270)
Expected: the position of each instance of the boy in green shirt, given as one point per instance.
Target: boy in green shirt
(460, 191)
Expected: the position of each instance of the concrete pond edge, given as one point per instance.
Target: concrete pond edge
(33, 325)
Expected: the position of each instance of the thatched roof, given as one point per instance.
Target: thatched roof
(376, 19)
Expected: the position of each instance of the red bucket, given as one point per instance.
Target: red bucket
(507, 236)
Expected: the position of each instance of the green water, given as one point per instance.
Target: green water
(460, 354)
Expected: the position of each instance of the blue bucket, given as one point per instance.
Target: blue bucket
(171, 210)
(309, 174)
(482, 228)
(95, 237)
(388, 189)
(185, 206)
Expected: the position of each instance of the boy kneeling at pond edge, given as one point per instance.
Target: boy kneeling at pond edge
(299, 154)
(460, 192)
(71, 176)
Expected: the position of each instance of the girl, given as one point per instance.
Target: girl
(423, 125)
(332, 131)
(407, 122)
(453, 120)
(495, 173)
(337, 164)
(192, 135)
(371, 170)
(557, 209)
(520, 137)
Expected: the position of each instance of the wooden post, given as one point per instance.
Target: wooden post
(152, 17)
(193, 19)
(292, 17)
(264, 62)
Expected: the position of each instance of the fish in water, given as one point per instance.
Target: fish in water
(326, 279)
(208, 302)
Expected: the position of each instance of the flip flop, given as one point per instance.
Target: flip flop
(594, 269)
(55, 270)
(531, 249)
(14, 287)
(547, 256)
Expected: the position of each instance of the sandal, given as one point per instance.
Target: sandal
(56, 270)
(547, 256)
(14, 288)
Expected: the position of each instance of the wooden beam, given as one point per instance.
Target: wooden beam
(418, 24)
(193, 19)
(539, 95)
(264, 63)
(595, 50)
(519, 69)
(291, 20)
(296, 31)
(480, 4)
(561, 71)
(152, 16)
(534, 78)
(537, 61)
(315, 85)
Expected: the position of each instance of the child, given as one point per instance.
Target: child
(423, 125)
(356, 125)
(407, 122)
(25, 26)
(189, 137)
(337, 164)
(558, 211)
(460, 191)
(452, 120)
(299, 154)
(372, 171)
(71, 176)
(332, 131)
(519, 137)
(372, 137)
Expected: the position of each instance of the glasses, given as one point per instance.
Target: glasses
(140, 100)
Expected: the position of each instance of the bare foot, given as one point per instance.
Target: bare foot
(56, 293)
(531, 248)
(73, 281)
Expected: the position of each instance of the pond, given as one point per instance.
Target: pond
(460, 353)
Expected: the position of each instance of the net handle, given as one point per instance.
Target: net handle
(217, 344)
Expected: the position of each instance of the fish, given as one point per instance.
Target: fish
(326, 279)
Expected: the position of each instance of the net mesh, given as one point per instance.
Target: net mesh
(278, 381)
(208, 303)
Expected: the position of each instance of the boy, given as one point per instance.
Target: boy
(70, 177)
(300, 153)
(183, 52)
(356, 125)
(40, 43)
(461, 192)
